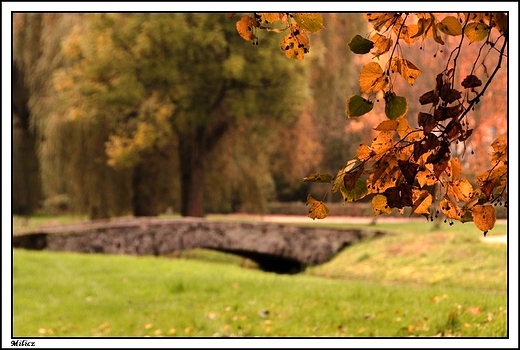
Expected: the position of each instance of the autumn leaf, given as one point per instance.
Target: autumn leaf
(500, 149)
(269, 18)
(380, 206)
(426, 178)
(456, 168)
(295, 44)
(476, 31)
(245, 28)
(471, 81)
(399, 196)
(450, 25)
(387, 125)
(350, 178)
(406, 69)
(395, 106)
(360, 45)
(323, 178)
(381, 20)
(310, 22)
(429, 97)
(409, 170)
(338, 179)
(461, 189)
(317, 210)
(450, 209)
(381, 43)
(359, 191)
(382, 142)
(426, 121)
(484, 217)
(372, 78)
(364, 152)
(358, 106)
(403, 128)
(422, 200)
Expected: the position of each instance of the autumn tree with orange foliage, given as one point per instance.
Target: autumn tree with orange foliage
(412, 165)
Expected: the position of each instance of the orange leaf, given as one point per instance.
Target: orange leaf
(364, 152)
(245, 28)
(484, 217)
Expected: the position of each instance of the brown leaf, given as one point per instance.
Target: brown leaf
(449, 95)
(350, 178)
(399, 197)
(471, 81)
(409, 170)
(429, 97)
(426, 121)
(453, 129)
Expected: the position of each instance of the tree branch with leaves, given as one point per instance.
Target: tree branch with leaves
(411, 166)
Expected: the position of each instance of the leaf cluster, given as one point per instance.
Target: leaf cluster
(415, 167)
(296, 42)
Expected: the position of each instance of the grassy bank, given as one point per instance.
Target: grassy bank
(413, 282)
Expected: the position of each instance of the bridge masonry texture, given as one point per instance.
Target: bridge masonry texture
(275, 247)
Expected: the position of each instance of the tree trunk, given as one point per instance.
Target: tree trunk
(191, 160)
(144, 201)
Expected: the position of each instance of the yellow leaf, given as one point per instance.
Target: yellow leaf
(382, 142)
(462, 190)
(318, 209)
(422, 200)
(484, 217)
(382, 44)
(381, 20)
(323, 178)
(456, 168)
(387, 125)
(451, 210)
(407, 69)
(426, 178)
(450, 25)
(364, 152)
(476, 31)
(372, 78)
(269, 18)
(311, 22)
(403, 128)
(380, 205)
(500, 149)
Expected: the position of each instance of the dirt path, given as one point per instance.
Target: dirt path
(502, 239)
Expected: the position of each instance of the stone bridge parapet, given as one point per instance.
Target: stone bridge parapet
(275, 247)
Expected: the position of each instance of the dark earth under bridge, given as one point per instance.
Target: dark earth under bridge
(274, 247)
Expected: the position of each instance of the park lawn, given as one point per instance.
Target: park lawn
(412, 253)
(69, 294)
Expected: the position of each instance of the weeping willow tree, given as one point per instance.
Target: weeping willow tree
(161, 91)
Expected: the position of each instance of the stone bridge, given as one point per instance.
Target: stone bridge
(274, 247)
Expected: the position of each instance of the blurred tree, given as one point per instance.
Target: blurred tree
(160, 83)
(63, 152)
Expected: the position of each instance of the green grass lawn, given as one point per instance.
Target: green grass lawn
(397, 285)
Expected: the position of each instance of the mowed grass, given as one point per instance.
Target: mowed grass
(68, 294)
(417, 253)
